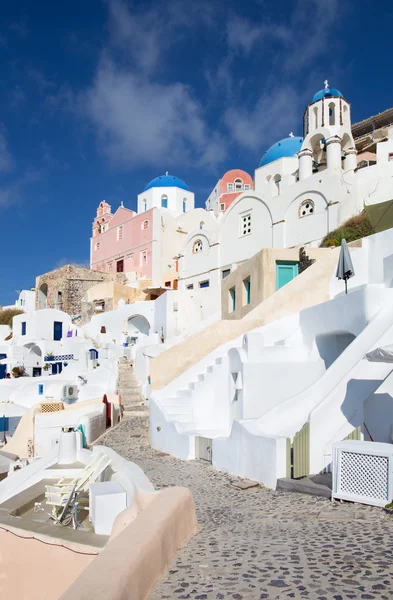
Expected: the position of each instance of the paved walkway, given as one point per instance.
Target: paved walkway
(258, 543)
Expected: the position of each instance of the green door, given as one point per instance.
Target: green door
(285, 272)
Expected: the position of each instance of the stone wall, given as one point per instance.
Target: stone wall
(64, 288)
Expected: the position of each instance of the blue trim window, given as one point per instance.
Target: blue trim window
(225, 273)
(247, 291)
(164, 202)
(40, 389)
(57, 330)
(204, 284)
(232, 296)
(23, 327)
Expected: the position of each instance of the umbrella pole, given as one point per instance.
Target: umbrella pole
(346, 286)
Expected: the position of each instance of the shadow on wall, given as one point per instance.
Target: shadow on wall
(357, 389)
(378, 416)
(331, 345)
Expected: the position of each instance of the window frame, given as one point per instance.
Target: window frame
(244, 225)
(232, 299)
(247, 291)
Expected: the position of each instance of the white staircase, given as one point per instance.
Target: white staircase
(181, 407)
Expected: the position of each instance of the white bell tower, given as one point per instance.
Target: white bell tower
(328, 141)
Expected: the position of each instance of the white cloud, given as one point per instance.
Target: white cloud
(12, 193)
(140, 121)
(243, 34)
(40, 79)
(273, 116)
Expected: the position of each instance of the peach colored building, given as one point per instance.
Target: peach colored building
(227, 189)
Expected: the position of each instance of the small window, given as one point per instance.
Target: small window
(232, 299)
(204, 284)
(197, 247)
(245, 224)
(120, 232)
(144, 205)
(143, 258)
(168, 284)
(145, 224)
(164, 202)
(190, 286)
(238, 184)
(184, 205)
(247, 291)
(40, 389)
(306, 208)
(98, 245)
(230, 187)
(222, 207)
(225, 273)
(247, 186)
(120, 266)
(24, 328)
(390, 157)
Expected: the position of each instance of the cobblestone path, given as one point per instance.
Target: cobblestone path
(258, 543)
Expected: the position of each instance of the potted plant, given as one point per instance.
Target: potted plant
(46, 367)
(18, 372)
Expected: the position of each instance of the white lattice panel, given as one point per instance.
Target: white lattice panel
(364, 475)
(362, 472)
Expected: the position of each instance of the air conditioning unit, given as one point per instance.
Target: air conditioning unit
(70, 393)
(363, 472)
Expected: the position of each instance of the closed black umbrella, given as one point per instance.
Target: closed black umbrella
(345, 268)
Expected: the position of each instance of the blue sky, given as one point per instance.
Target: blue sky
(100, 96)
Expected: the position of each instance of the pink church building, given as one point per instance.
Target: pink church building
(144, 244)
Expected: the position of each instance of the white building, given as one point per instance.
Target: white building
(304, 188)
(25, 301)
(237, 402)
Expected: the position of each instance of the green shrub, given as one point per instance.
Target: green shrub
(7, 315)
(353, 229)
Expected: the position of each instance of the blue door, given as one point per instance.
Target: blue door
(3, 368)
(57, 330)
(285, 272)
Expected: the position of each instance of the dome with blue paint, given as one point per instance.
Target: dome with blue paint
(167, 181)
(327, 92)
(285, 148)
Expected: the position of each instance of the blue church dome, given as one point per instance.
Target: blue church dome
(289, 146)
(327, 92)
(167, 181)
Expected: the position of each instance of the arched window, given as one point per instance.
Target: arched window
(201, 224)
(238, 184)
(164, 201)
(332, 113)
(277, 182)
(197, 247)
(306, 208)
(184, 205)
(268, 178)
(315, 112)
(144, 205)
(98, 245)
(145, 224)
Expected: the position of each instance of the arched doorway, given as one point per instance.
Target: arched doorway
(138, 327)
(33, 360)
(43, 296)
